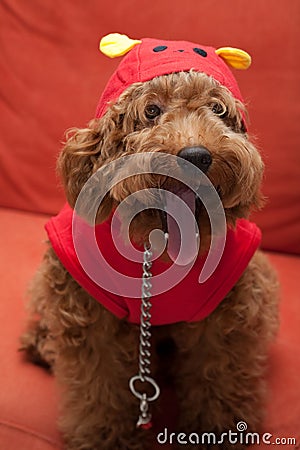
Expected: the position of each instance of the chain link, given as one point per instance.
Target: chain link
(144, 420)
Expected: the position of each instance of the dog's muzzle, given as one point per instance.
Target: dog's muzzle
(202, 159)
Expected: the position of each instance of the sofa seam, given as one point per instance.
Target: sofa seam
(29, 431)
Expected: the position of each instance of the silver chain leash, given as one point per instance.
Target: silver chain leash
(144, 420)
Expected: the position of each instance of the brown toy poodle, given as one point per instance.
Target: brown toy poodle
(211, 344)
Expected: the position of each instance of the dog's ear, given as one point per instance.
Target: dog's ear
(247, 195)
(84, 152)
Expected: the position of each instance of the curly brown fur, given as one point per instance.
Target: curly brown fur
(217, 365)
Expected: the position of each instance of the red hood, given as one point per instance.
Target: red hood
(155, 57)
(188, 301)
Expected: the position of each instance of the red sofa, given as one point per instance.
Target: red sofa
(51, 75)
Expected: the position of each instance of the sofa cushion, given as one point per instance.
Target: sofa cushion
(29, 396)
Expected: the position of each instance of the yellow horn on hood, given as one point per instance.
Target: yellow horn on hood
(235, 57)
(116, 44)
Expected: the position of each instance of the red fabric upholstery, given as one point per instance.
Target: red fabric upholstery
(51, 77)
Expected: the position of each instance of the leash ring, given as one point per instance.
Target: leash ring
(148, 380)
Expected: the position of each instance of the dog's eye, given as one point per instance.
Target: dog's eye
(219, 109)
(152, 111)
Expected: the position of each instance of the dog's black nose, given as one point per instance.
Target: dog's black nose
(199, 156)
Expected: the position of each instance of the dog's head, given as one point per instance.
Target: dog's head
(193, 111)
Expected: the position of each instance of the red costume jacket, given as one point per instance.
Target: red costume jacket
(188, 301)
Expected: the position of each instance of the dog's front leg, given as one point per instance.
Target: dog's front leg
(212, 401)
(99, 411)
(94, 355)
(222, 361)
